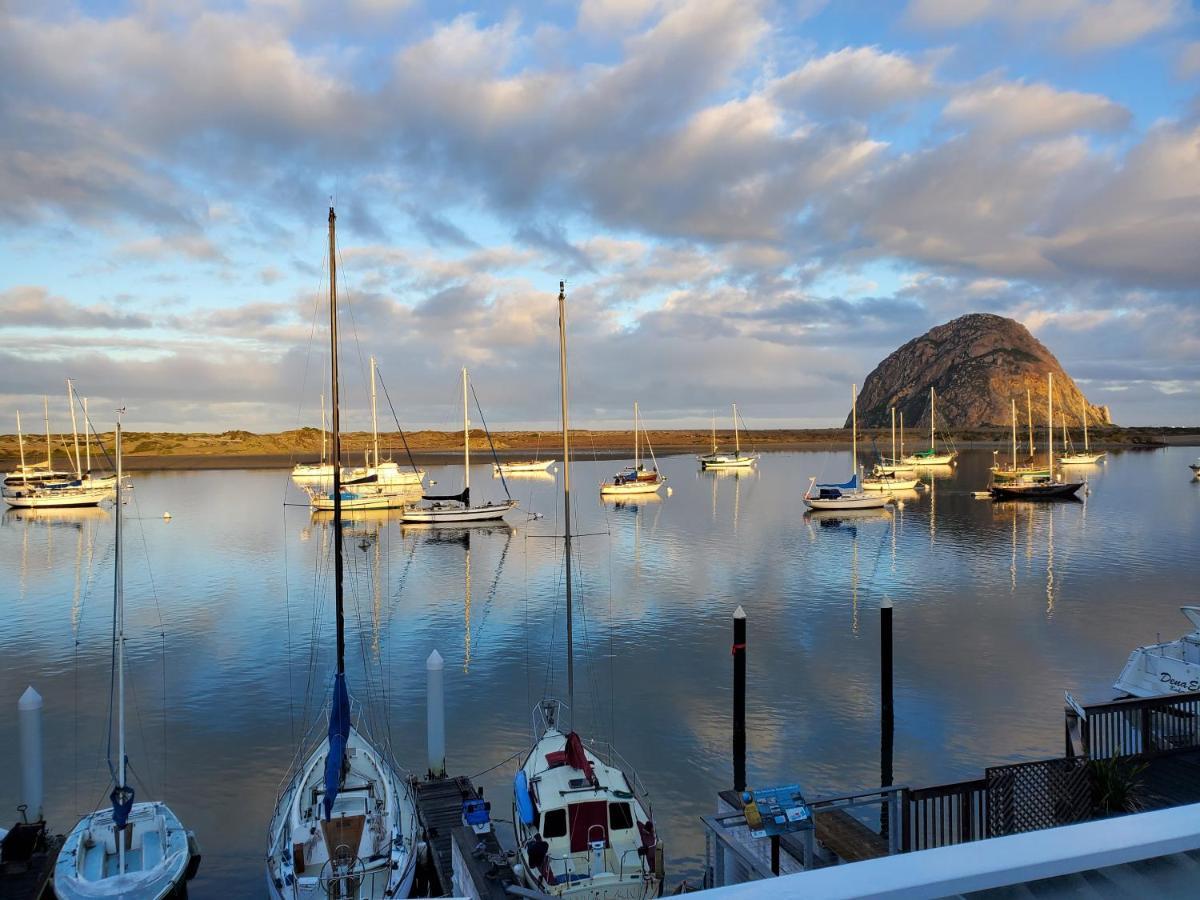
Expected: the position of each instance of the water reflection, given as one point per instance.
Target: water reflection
(1039, 598)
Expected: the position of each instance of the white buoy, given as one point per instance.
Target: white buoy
(166, 516)
(670, 491)
(435, 714)
(29, 717)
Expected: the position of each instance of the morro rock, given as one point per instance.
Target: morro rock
(978, 364)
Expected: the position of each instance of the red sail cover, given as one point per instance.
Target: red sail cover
(589, 822)
(577, 759)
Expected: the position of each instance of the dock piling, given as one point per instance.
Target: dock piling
(435, 714)
(29, 715)
(887, 724)
(739, 699)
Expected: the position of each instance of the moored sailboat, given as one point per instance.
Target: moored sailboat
(850, 494)
(582, 820)
(635, 479)
(1087, 457)
(456, 509)
(139, 851)
(1014, 471)
(386, 472)
(716, 459)
(32, 487)
(1037, 487)
(345, 823)
(931, 457)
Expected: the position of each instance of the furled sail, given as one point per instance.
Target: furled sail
(339, 733)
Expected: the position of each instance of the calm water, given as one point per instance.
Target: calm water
(998, 609)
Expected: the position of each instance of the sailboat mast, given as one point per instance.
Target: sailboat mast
(337, 447)
(374, 420)
(562, 374)
(87, 436)
(1050, 413)
(932, 416)
(74, 427)
(46, 408)
(737, 444)
(854, 430)
(902, 434)
(893, 435)
(713, 425)
(21, 443)
(466, 438)
(323, 428)
(1029, 415)
(119, 600)
(635, 436)
(1086, 447)
(1014, 439)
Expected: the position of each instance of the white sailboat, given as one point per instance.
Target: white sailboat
(33, 487)
(1038, 487)
(894, 466)
(455, 509)
(1087, 457)
(386, 472)
(318, 470)
(345, 823)
(582, 819)
(718, 460)
(635, 479)
(849, 495)
(137, 851)
(931, 457)
(88, 479)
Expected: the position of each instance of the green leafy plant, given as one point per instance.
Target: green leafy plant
(1116, 786)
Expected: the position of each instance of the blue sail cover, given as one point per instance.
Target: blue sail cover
(339, 733)
(850, 485)
(122, 805)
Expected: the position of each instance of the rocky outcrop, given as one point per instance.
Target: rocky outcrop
(978, 364)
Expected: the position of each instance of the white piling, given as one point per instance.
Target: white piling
(29, 716)
(435, 714)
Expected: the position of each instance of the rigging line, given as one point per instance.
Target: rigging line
(312, 333)
(162, 633)
(412, 462)
(502, 762)
(483, 422)
(349, 304)
(525, 630)
(487, 604)
(287, 612)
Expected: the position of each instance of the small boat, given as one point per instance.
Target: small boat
(519, 467)
(718, 460)
(850, 494)
(1172, 667)
(40, 487)
(345, 823)
(1087, 457)
(635, 479)
(582, 820)
(894, 465)
(931, 457)
(139, 851)
(1039, 487)
(881, 479)
(1195, 467)
(456, 509)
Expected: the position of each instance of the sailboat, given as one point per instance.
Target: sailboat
(1014, 471)
(1039, 487)
(318, 470)
(455, 509)
(386, 472)
(635, 479)
(34, 487)
(718, 460)
(582, 819)
(894, 466)
(345, 823)
(1087, 457)
(86, 477)
(849, 495)
(139, 851)
(931, 457)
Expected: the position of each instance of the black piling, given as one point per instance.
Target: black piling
(739, 699)
(887, 724)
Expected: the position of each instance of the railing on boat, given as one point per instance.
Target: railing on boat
(1138, 725)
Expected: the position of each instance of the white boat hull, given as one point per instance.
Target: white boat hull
(627, 488)
(455, 514)
(516, 468)
(1172, 667)
(56, 498)
(849, 501)
(721, 461)
(1080, 459)
(922, 462)
(158, 856)
(352, 500)
(900, 470)
(890, 484)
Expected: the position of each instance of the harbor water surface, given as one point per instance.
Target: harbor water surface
(999, 608)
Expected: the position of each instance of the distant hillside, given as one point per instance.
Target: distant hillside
(978, 364)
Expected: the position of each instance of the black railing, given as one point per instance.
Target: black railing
(945, 814)
(1138, 726)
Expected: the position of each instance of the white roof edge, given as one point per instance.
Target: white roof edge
(997, 862)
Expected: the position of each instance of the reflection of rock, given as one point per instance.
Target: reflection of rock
(977, 364)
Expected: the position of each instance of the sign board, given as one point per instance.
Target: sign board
(777, 810)
(1075, 705)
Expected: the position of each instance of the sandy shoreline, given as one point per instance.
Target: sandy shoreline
(245, 450)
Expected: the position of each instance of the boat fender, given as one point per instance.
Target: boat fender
(524, 800)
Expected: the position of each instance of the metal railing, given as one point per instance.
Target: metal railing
(1138, 725)
(944, 814)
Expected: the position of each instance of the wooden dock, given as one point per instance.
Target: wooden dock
(465, 864)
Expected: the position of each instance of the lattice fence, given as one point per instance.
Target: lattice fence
(1034, 795)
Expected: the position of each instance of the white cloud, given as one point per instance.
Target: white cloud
(855, 81)
(1014, 110)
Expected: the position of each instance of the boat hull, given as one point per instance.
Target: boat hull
(727, 462)
(920, 462)
(56, 498)
(381, 500)
(851, 501)
(451, 514)
(1080, 459)
(516, 468)
(890, 484)
(159, 856)
(611, 489)
(1056, 490)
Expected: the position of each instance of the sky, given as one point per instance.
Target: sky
(751, 202)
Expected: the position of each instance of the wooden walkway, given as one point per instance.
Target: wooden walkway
(439, 804)
(1172, 779)
(440, 807)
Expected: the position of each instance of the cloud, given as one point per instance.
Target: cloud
(855, 81)
(1014, 110)
(1187, 64)
(614, 16)
(30, 306)
(1080, 25)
